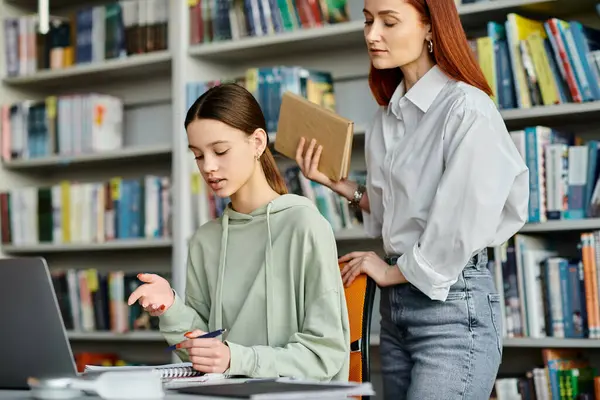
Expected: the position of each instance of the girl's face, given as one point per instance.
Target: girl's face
(225, 156)
(394, 33)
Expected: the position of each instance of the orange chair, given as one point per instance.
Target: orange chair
(359, 299)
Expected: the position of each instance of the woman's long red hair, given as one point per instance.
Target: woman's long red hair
(451, 51)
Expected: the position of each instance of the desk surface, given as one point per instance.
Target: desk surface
(170, 395)
(26, 395)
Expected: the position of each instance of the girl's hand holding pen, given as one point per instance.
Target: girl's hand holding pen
(208, 355)
(155, 295)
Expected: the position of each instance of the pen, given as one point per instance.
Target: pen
(208, 335)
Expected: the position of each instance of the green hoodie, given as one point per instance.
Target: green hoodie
(271, 278)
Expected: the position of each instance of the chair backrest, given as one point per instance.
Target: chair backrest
(359, 299)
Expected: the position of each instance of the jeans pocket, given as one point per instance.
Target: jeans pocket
(494, 303)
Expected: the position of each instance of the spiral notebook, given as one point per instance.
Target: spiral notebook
(167, 371)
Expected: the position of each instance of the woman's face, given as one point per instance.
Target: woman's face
(394, 33)
(225, 156)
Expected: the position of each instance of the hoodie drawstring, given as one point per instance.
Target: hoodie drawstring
(269, 298)
(221, 277)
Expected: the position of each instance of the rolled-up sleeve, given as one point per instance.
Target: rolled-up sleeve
(481, 201)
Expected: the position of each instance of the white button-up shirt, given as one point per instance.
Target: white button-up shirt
(444, 179)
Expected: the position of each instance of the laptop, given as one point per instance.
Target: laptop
(34, 341)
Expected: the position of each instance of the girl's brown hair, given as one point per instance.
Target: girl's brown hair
(451, 51)
(235, 106)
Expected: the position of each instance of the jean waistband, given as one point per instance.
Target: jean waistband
(478, 258)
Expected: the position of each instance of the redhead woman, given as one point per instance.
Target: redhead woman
(444, 183)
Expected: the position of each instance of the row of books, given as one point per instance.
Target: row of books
(213, 20)
(532, 63)
(91, 300)
(207, 206)
(548, 292)
(566, 374)
(92, 212)
(61, 125)
(89, 34)
(267, 85)
(564, 174)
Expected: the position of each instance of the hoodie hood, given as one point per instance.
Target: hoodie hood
(262, 214)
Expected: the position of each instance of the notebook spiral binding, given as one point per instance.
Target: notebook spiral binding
(179, 372)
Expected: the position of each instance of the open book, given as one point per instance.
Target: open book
(299, 117)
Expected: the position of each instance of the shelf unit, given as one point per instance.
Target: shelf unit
(137, 76)
(144, 83)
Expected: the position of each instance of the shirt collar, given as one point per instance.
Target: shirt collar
(422, 94)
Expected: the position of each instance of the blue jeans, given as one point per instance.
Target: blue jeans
(448, 350)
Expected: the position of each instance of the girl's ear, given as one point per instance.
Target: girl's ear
(260, 141)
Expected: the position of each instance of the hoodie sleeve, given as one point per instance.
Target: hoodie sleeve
(320, 349)
(184, 316)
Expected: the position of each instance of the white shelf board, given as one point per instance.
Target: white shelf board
(549, 115)
(548, 342)
(350, 34)
(301, 40)
(54, 4)
(352, 234)
(120, 244)
(142, 336)
(61, 161)
(562, 225)
(550, 226)
(131, 67)
(551, 342)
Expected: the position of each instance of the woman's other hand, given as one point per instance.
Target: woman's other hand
(367, 262)
(309, 162)
(209, 355)
(155, 295)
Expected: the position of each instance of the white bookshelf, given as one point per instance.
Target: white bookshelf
(161, 77)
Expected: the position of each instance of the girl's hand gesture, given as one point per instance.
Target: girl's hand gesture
(155, 295)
